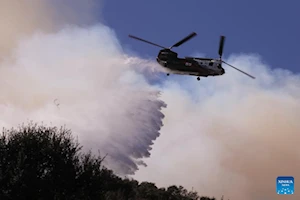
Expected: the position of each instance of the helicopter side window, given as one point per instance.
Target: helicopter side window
(211, 64)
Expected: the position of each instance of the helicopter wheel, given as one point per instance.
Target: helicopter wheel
(198, 78)
(168, 74)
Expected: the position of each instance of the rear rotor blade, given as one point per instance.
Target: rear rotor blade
(221, 45)
(134, 37)
(190, 36)
(238, 69)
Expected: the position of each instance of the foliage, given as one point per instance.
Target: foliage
(38, 162)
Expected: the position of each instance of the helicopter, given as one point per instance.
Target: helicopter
(200, 67)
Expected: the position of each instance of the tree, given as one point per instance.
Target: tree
(38, 162)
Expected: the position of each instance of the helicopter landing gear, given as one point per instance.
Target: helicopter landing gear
(198, 78)
(168, 74)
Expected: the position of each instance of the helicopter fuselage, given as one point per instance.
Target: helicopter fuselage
(189, 65)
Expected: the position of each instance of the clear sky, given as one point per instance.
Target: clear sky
(269, 28)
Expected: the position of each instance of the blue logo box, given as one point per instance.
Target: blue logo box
(285, 185)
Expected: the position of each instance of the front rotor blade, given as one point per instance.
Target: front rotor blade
(221, 45)
(239, 70)
(134, 37)
(190, 36)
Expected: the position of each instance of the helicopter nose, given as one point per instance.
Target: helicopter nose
(223, 71)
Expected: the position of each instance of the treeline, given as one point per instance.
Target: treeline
(38, 162)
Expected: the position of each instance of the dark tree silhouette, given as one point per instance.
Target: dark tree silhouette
(38, 162)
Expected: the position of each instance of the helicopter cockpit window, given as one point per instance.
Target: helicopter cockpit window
(164, 53)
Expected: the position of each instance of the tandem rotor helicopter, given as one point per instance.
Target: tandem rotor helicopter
(190, 65)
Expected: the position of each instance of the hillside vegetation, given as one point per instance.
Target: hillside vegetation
(39, 162)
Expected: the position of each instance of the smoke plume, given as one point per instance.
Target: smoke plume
(229, 135)
(78, 76)
(20, 19)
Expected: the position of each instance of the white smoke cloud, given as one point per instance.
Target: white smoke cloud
(101, 98)
(229, 135)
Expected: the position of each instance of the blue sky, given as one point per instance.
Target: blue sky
(269, 28)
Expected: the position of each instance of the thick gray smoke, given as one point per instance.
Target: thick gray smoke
(19, 19)
(230, 135)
